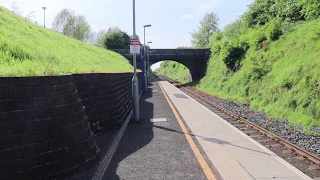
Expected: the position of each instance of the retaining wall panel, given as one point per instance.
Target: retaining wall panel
(49, 111)
(103, 95)
(39, 115)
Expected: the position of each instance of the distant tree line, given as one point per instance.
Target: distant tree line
(76, 26)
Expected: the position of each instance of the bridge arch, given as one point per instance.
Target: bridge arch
(173, 66)
(194, 59)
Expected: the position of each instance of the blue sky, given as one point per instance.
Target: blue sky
(171, 20)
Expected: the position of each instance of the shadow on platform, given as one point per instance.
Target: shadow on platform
(136, 136)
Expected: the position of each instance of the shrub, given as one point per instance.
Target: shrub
(215, 41)
(253, 37)
(259, 13)
(310, 9)
(115, 39)
(232, 57)
(273, 30)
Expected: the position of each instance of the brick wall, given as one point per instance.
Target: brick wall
(107, 97)
(44, 131)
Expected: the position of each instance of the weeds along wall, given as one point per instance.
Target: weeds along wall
(44, 125)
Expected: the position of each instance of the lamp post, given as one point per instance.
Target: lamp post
(135, 89)
(44, 18)
(144, 55)
(148, 62)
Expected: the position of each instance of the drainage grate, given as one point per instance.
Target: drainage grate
(158, 120)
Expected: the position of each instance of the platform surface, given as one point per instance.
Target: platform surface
(154, 150)
(235, 155)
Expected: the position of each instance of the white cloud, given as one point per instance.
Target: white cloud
(187, 16)
(204, 6)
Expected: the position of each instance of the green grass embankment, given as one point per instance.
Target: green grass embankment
(30, 50)
(175, 71)
(280, 77)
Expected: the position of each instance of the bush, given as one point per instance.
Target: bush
(273, 30)
(115, 39)
(215, 41)
(262, 11)
(310, 9)
(233, 56)
(254, 37)
(259, 13)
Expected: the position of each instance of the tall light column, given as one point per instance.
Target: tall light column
(44, 16)
(148, 62)
(144, 55)
(135, 82)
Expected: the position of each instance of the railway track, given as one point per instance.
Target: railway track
(303, 160)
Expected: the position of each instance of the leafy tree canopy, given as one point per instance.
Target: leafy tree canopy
(208, 25)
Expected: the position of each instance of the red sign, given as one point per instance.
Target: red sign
(134, 42)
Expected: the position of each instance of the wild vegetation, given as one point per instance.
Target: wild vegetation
(115, 38)
(27, 49)
(175, 71)
(269, 59)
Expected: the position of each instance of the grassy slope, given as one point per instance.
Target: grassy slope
(290, 89)
(28, 50)
(175, 71)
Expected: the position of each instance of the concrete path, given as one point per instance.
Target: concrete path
(235, 155)
(156, 150)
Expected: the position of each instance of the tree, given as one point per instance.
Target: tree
(115, 38)
(63, 22)
(95, 37)
(68, 23)
(31, 17)
(208, 25)
(15, 9)
(82, 30)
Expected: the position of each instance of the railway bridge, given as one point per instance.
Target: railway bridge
(194, 59)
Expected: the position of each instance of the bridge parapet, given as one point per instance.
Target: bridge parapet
(194, 59)
(183, 52)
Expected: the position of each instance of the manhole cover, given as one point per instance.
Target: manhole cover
(180, 96)
(158, 120)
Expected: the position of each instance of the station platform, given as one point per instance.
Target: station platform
(185, 140)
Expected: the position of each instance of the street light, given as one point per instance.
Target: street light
(148, 62)
(44, 14)
(144, 55)
(135, 90)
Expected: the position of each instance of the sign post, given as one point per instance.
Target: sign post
(134, 46)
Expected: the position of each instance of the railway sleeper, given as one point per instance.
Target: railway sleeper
(314, 167)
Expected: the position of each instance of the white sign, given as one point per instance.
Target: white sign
(134, 46)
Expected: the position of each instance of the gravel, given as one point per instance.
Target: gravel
(281, 127)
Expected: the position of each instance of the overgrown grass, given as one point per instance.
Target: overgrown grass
(30, 50)
(175, 71)
(280, 77)
(283, 81)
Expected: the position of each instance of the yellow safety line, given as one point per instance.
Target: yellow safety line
(206, 169)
